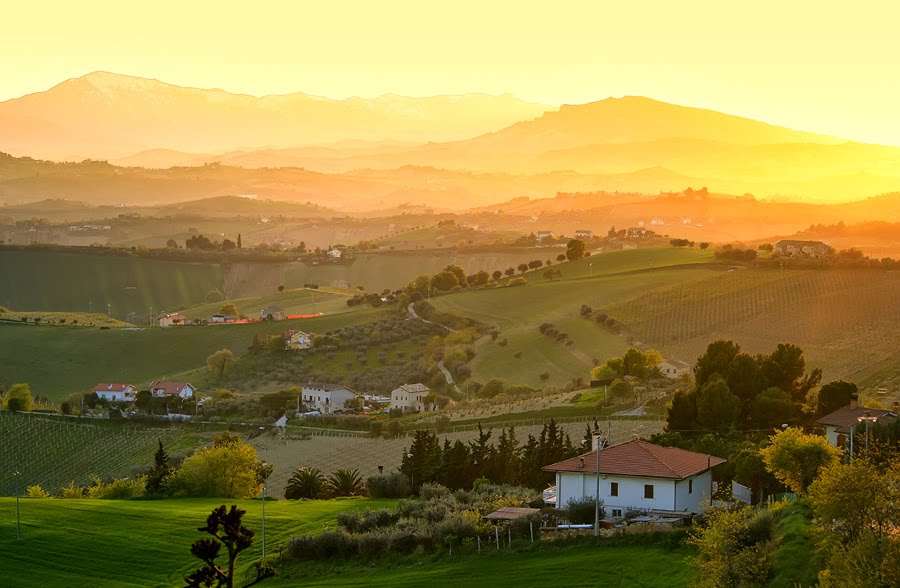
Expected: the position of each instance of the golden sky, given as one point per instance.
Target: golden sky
(825, 66)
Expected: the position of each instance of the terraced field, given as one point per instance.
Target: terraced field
(53, 451)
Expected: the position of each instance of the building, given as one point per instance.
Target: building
(223, 318)
(584, 234)
(169, 388)
(638, 233)
(115, 392)
(326, 398)
(342, 284)
(272, 313)
(410, 397)
(172, 320)
(839, 425)
(541, 235)
(673, 368)
(802, 248)
(297, 340)
(637, 475)
(335, 253)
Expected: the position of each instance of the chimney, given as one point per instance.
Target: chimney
(854, 400)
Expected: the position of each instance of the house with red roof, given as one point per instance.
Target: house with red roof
(840, 424)
(169, 388)
(115, 392)
(640, 476)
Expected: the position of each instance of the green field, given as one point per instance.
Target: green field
(146, 544)
(49, 280)
(292, 302)
(53, 451)
(59, 360)
(519, 310)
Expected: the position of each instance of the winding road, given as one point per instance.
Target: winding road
(447, 375)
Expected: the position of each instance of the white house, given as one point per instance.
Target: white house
(541, 235)
(115, 392)
(325, 398)
(297, 340)
(640, 476)
(673, 368)
(272, 313)
(172, 319)
(335, 253)
(584, 234)
(167, 388)
(410, 397)
(839, 425)
(802, 248)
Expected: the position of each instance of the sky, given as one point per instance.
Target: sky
(823, 66)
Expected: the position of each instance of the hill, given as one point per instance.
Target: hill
(105, 554)
(104, 114)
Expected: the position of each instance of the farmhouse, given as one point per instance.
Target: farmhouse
(541, 235)
(342, 284)
(673, 368)
(172, 319)
(272, 313)
(223, 318)
(584, 234)
(115, 392)
(167, 388)
(640, 476)
(410, 397)
(326, 398)
(804, 248)
(335, 253)
(296, 340)
(840, 424)
(638, 233)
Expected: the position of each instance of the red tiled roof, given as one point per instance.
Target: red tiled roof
(639, 458)
(168, 387)
(111, 387)
(847, 416)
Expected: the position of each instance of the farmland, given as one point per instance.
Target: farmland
(298, 301)
(103, 550)
(81, 357)
(245, 280)
(49, 280)
(843, 319)
(53, 451)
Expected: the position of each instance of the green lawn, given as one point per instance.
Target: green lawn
(113, 543)
(796, 562)
(146, 544)
(59, 360)
(518, 311)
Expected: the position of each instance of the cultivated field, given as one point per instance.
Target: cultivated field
(49, 280)
(53, 451)
(57, 361)
(844, 320)
(245, 280)
(300, 301)
(94, 543)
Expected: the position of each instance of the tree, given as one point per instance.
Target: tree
(156, 479)
(19, 398)
(220, 362)
(561, 257)
(457, 271)
(771, 408)
(735, 548)
(833, 396)
(523, 267)
(228, 245)
(229, 308)
(715, 360)
(227, 531)
(717, 407)
(795, 458)
(306, 482)
(228, 469)
(574, 249)
(215, 295)
(445, 281)
(239, 244)
(510, 271)
(345, 482)
(497, 275)
(784, 368)
(172, 244)
(143, 400)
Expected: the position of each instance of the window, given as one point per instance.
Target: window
(617, 512)
(613, 488)
(648, 490)
(690, 486)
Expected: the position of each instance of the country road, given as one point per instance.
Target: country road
(447, 375)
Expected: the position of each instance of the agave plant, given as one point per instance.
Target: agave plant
(306, 482)
(344, 482)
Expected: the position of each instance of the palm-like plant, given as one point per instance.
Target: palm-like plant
(306, 482)
(344, 482)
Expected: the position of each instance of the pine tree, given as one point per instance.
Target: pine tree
(239, 241)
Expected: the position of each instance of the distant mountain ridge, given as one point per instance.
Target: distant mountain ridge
(102, 115)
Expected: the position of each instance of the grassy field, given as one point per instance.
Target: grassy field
(147, 544)
(48, 280)
(59, 360)
(137, 543)
(300, 301)
(64, 318)
(796, 562)
(518, 311)
(53, 451)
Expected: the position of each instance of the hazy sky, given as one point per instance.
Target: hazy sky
(825, 66)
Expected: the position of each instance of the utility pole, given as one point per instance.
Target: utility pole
(265, 487)
(18, 525)
(108, 310)
(597, 493)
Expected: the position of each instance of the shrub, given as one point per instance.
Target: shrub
(519, 281)
(580, 511)
(394, 485)
(35, 491)
(345, 482)
(71, 491)
(403, 541)
(373, 545)
(118, 489)
(305, 483)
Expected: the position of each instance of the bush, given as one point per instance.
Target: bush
(35, 491)
(581, 511)
(519, 281)
(118, 489)
(71, 491)
(394, 485)
(373, 545)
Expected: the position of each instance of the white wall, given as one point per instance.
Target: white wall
(694, 501)
(631, 491)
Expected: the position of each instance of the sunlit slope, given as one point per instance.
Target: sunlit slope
(845, 320)
(51, 280)
(518, 311)
(59, 360)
